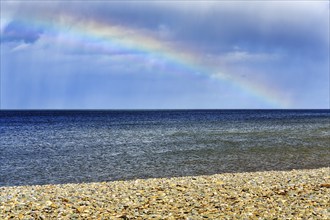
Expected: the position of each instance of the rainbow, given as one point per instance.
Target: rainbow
(130, 40)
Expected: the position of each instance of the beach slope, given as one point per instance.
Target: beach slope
(272, 194)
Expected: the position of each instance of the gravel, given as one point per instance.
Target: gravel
(296, 194)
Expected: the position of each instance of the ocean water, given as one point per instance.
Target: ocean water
(50, 147)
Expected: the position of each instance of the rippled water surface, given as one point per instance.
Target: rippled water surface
(42, 147)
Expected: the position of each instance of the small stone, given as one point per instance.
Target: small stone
(326, 185)
(48, 203)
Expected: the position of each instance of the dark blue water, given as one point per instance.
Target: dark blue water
(43, 147)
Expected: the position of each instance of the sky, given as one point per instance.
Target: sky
(164, 55)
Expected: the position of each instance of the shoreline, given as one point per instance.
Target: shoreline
(266, 194)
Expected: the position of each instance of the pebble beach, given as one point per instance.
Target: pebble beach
(296, 194)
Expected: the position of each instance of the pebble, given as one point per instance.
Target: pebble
(259, 195)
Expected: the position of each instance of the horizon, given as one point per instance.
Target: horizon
(169, 109)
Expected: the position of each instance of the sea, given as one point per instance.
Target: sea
(60, 146)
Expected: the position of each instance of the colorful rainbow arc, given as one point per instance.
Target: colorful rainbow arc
(135, 40)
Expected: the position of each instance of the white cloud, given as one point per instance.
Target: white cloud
(21, 46)
(245, 56)
(238, 57)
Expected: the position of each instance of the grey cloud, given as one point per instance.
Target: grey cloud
(20, 31)
(213, 27)
(293, 27)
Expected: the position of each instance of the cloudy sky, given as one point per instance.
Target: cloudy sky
(161, 55)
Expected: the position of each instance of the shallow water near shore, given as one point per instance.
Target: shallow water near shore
(48, 147)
